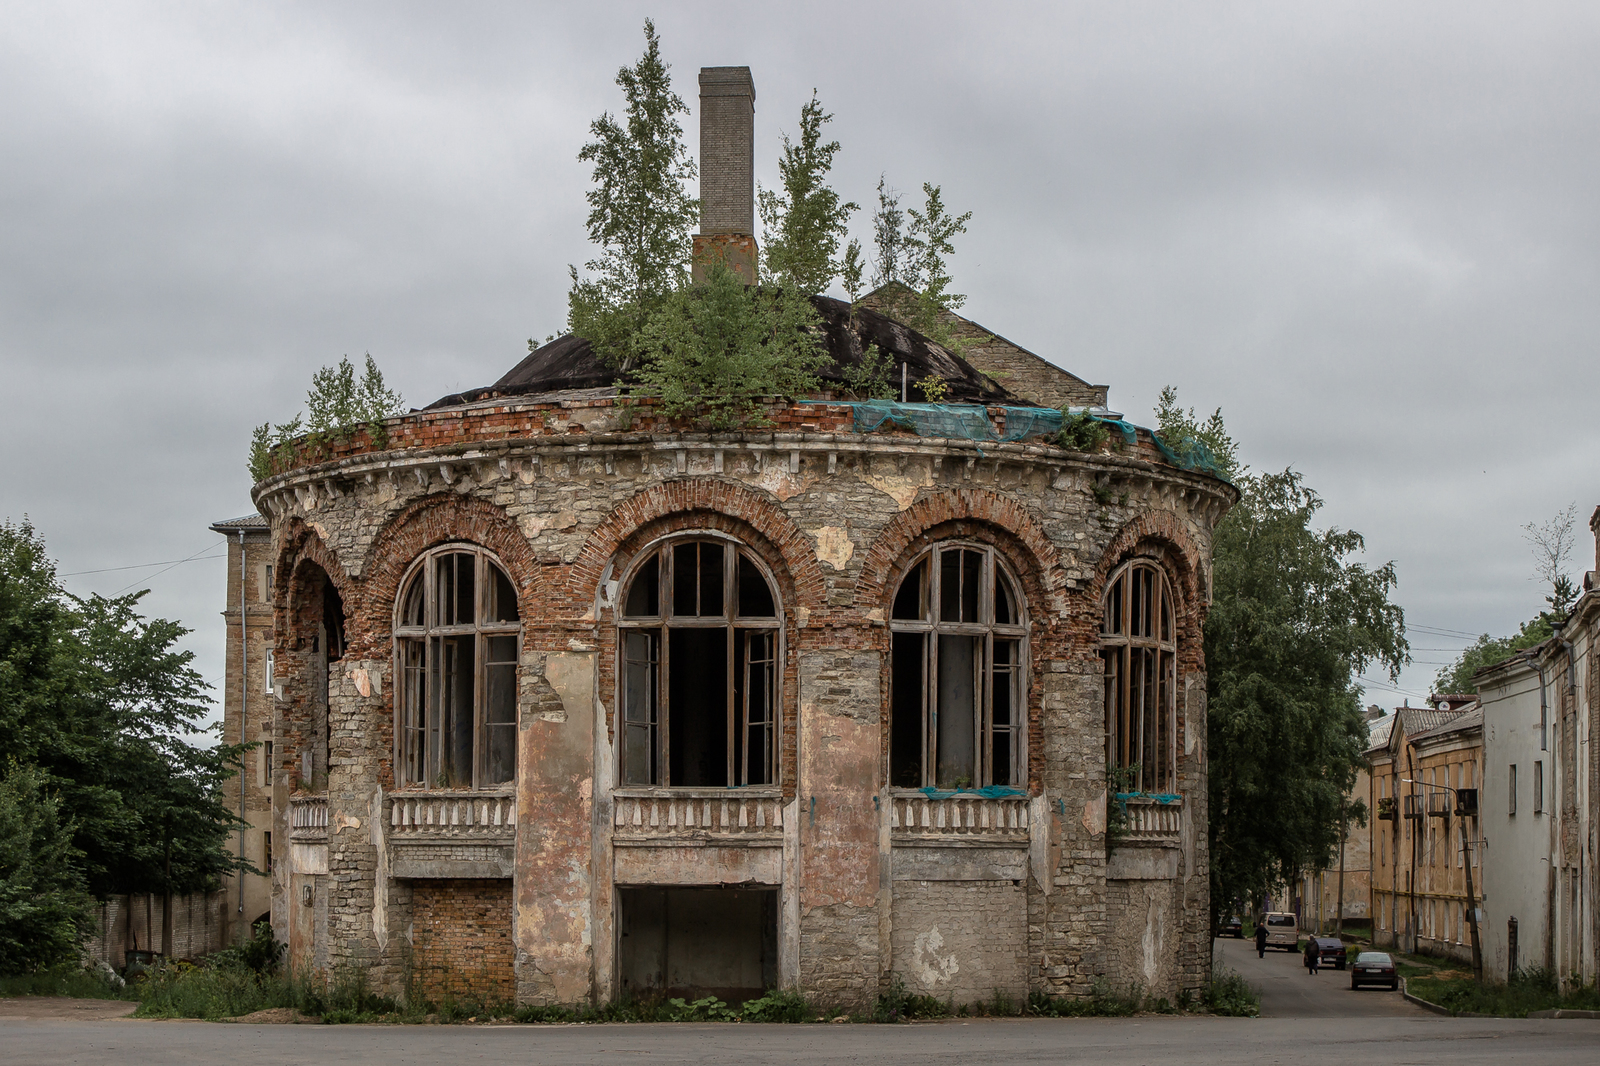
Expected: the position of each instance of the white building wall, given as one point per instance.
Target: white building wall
(1516, 858)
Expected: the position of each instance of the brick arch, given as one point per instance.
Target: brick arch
(300, 543)
(751, 512)
(954, 512)
(1160, 536)
(432, 521)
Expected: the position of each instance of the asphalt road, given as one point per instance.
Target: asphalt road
(1289, 991)
(1424, 1041)
(1305, 1020)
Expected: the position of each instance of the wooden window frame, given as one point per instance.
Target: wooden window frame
(743, 634)
(933, 625)
(418, 760)
(1129, 715)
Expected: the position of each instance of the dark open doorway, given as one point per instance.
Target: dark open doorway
(694, 942)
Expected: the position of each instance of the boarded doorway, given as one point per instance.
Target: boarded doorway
(694, 942)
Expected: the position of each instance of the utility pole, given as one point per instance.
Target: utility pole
(1472, 904)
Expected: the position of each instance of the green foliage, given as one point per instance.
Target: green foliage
(717, 349)
(1229, 995)
(45, 911)
(1187, 435)
(1293, 620)
(68, 979)
(935, 388)
(640, 212)
(1528, 990)
(1081, 432)
(911, 270)
(873, 377)
(850, 271)
(1486, 651)
(98, 701)
(777, 1005)
(338, 406)
(1119, 780)
(803, 225)
(262, 953)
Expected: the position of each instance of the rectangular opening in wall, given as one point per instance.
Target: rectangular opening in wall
(697, 739)
(905, 713)
(1538, 787)
(694, 942)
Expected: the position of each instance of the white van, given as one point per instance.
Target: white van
(1282, 931)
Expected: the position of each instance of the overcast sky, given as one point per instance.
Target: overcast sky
(1368, 232)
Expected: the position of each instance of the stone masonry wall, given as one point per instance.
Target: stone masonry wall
(838, 518)
(961, 941)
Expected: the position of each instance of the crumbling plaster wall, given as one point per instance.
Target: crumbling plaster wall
(838, 518)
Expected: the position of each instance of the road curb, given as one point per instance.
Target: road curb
(1558, 1013)
(1419, 1001)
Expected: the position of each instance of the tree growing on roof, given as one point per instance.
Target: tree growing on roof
(641, 213)
(1293, 621)
(911, 270)
(716, 350)
(803, 225)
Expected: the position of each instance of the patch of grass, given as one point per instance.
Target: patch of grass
(1529, 990)
(71, 981)
(1229, 995)
(899, 1004)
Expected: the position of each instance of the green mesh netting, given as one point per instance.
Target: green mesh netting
(956, 420)
(962, 421)
(1191, 455)
(986, 792)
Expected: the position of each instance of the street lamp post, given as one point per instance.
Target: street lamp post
(1466, 861)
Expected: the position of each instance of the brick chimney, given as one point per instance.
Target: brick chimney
(727, 173)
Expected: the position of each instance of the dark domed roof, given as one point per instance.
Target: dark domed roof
(569, 363)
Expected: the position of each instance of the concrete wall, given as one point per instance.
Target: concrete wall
(135, 923)
(1517, 875)
(564, 498)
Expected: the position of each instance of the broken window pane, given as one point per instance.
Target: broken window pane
(755, 595)
(644, 594)
(699, 697)
(957, 711)
(457, 700)
(958, 726)
(1138, 656)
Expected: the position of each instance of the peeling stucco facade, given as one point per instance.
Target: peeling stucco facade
(957, 895)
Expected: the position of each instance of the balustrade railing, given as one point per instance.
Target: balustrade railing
(696, 813)
(958, 815)
(453, 814)
(1152, 821)
(308, 819)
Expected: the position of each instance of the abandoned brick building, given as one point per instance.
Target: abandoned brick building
(575, 702)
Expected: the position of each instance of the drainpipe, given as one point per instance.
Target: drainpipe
(244, 707)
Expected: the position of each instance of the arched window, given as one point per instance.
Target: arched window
(1138, 646)
(957, 696)
(456, 637)
(698, 638)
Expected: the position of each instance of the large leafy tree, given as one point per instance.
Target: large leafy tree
(911, 266)
(100, 713)
(44, 908)
(1294, 619)
(641, 213)
(804, 223)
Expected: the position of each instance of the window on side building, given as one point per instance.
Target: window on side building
(457, 634)
(1138, 650)
(1538, 786)
(1512, 790)
(958, 684)
(698, 651)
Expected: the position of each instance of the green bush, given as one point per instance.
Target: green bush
(65, 980)
(1528, 990)
(1228, 994)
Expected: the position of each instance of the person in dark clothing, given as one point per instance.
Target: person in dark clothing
(1261, 940)
(1311, 956)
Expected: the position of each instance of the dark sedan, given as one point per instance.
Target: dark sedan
(1374, 968)
(1232, 927)
(1330, 952)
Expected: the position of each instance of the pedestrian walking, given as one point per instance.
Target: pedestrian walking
(1261, 939)
(1311, 956)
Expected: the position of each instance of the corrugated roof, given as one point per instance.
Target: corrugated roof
(1460, 721)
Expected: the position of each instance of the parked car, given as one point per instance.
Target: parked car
(1374, 968)
(1330, 951)
(1233, 927)
(1283, 931)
